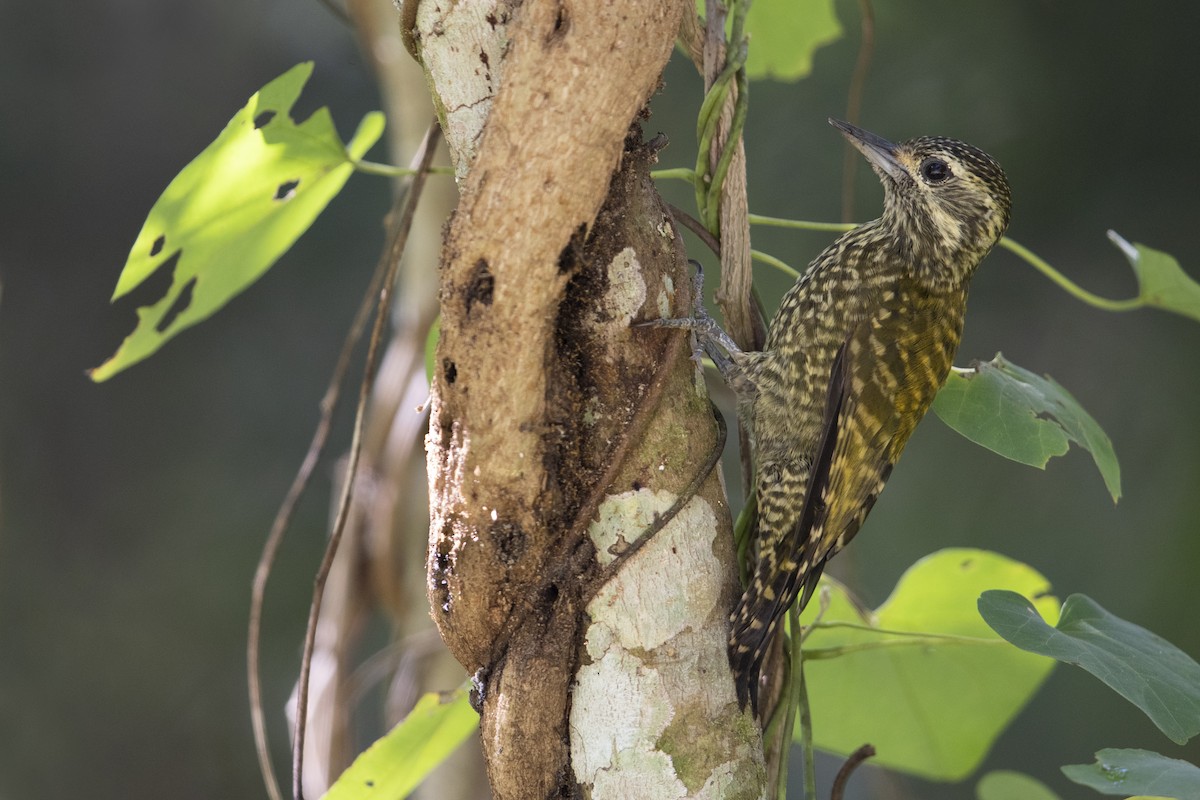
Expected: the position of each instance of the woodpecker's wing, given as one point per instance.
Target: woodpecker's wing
(884, 376)
(892, 364)
(780, 567)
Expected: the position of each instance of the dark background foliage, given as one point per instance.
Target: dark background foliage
(131, 513)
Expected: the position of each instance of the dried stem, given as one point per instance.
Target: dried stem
(857, 757)
(697, 227)
(400, 229)
(283, 518)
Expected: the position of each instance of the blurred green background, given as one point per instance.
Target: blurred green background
(132, 513)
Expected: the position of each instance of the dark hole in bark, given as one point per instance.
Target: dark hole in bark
(562, 23)
(482, 286)
(569, 259)
(449, 370)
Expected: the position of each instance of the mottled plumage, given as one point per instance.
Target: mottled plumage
(854, 357)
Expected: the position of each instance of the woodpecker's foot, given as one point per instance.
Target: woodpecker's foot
(700, 313)
(686, 323)
(710, 339)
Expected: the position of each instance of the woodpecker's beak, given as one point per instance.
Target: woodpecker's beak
(879, 151)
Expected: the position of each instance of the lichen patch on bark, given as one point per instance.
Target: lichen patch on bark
(666, 737)
(675, 573)
(626, 293)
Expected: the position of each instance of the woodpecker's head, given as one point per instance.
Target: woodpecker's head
(946, 201)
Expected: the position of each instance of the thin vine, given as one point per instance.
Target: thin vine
(691, 176)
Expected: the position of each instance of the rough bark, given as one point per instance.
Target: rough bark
(558, 432)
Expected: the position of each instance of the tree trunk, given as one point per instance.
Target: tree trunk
(559, 433)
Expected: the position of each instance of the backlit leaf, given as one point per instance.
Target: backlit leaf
(234, 210)
(784, 34)
(395, 765)
(949, 684)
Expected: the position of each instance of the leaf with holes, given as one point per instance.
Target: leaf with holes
(1023, 416)
(1161, 281)
(784, 34)
(1121, 772)
(1145, 669)
(949, 684)
(396, 764)
(234, 210)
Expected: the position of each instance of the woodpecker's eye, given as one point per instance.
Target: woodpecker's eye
(935, 170)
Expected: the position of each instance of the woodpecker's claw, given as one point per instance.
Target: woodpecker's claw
(710, 338)
(696, 326)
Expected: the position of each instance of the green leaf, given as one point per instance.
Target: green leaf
(1161, 282)
(1008, 785)
(949, 684)
(1023, 416)
(1145, 669)
(396, 764)
(784, 34)
(234, 210)
(1139, 771)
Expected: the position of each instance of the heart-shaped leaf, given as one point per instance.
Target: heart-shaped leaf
(784, 34)
(948, 683)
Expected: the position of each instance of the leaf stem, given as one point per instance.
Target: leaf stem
(1018, 249)
(857, 757)
(392, 171)
(767, 258)
(1066, 283)
(706, 130)
(734, 137)
(823, 653)
(806, 736)
(677, 173)
(854, 626)
(858, 82)
(801, 707)
(801, 224)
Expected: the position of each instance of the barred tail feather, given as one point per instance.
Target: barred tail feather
(757, 618)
